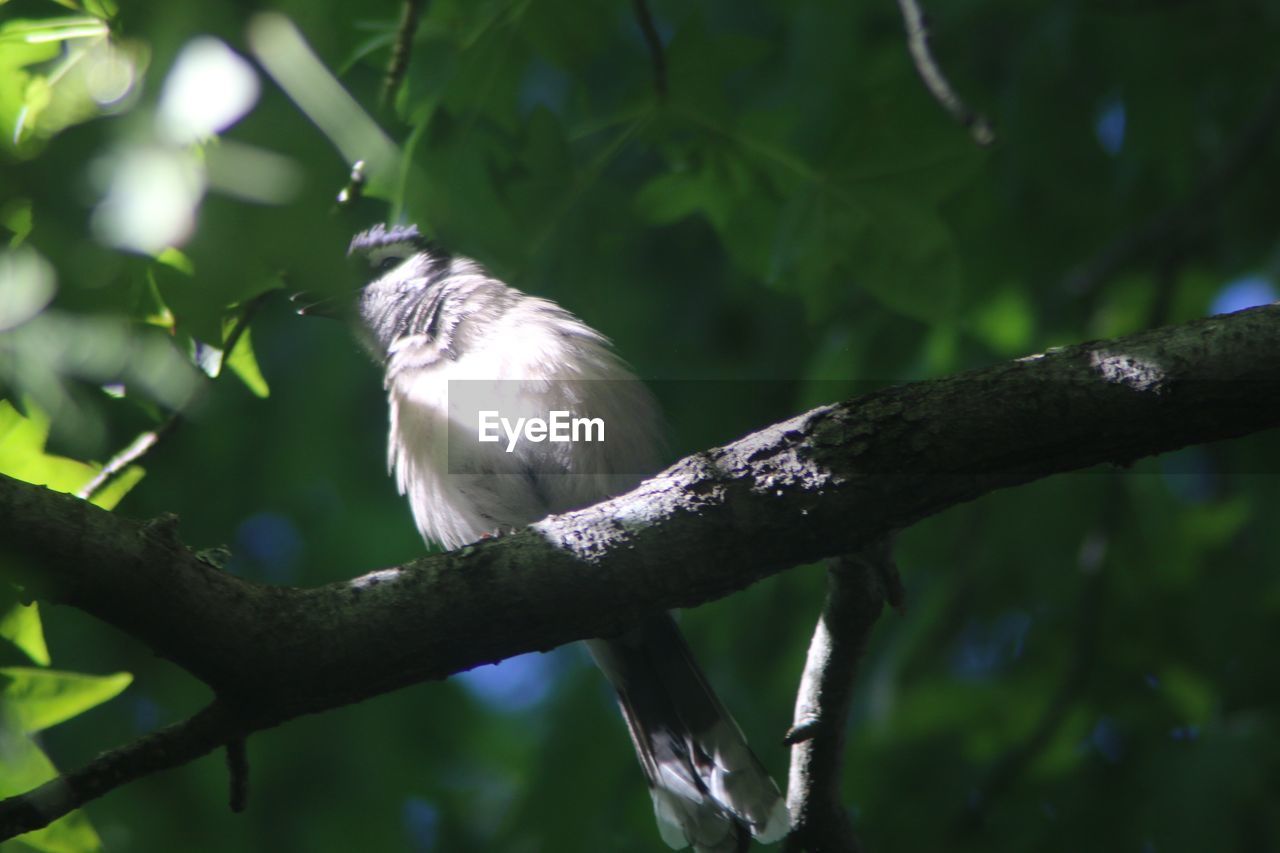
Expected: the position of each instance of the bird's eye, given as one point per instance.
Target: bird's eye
(389, 263)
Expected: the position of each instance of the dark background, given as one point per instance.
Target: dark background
(1084, 663)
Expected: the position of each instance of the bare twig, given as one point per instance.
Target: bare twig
(858, 586)
(141, 445)
(1171, 227)
(242, 324)
(656, 55)
(934, 80)
(135, 451)
(400, 52)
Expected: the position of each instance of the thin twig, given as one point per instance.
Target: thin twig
(142, 445)
(238, 772)
(858, 586)
(934, 80)
(160, 750)
(135, 451)
(654, 42)
(1171, 226)
(400, 52)
(242, 325)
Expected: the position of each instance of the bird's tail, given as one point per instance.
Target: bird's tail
(709, 789)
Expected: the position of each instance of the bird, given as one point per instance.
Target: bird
(461, 351)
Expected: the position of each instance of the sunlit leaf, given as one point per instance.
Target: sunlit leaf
(22, 455)
(59, 72)
(245, 365)
(16, 216)
(24, 766)
(120, 485)
(22, 441)
(20, 625)
(40, 698)
(1005, 323)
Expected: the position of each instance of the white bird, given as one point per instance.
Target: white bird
(461, 350)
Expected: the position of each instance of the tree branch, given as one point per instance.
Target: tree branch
(401, 50)
(654, 42)
(934, 80)
(142, 445)
(818, 485)
(169, 747)
(858, 586)
(136, 449)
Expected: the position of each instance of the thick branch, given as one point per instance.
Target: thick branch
(821, 484)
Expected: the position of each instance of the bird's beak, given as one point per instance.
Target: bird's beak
(312, 305)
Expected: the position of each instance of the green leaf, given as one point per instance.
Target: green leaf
(20, 625)
(16, 216)
(197, 309)
(1005, 323)
(15, 56)
(40, 698)
(1190, 694)
(907, 258)
(22, 452)
(243, 363)
(22, 456)
(671, 197)
(76, 73)
(105, 9)
(175, 259)
(110, 495)
(23, 766)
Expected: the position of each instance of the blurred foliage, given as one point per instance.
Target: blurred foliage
(1084, 663)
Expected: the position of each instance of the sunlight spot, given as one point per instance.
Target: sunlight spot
(373, 579)
(209, 89)
(1129, 370)
(26, 286)
(152, 195)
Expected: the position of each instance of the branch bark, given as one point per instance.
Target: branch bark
(644, 18)
(401, 50)
(823, 483)
(858, 587)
